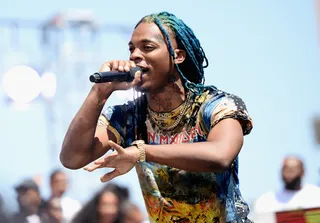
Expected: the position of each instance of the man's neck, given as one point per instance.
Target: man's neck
(169, 98)
(293, 188)
(29, 211)
(58, 195)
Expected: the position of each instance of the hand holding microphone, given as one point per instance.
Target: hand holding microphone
(110, 76)
(116, 75)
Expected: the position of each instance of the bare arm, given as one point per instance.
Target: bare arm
(86, 141)
(215, 155)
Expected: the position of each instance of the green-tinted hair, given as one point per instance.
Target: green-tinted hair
(191, 70)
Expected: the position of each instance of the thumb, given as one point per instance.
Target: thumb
(137, 76)
(109, 176)
(105, 67)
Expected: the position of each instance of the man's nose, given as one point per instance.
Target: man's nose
(136, 56)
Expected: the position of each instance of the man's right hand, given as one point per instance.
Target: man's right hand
(105, 89)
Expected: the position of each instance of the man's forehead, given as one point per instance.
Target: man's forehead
(24, 190)
(59, 176)
(146, 31)
(292, 161)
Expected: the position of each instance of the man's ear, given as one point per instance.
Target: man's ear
(179, 56)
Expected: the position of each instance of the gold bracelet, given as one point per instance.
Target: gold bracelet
(142, 150)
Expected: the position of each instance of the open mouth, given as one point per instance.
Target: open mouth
(144, 70)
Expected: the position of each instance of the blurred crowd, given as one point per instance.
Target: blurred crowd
(111, 204)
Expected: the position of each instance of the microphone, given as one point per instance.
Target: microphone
(110, 76)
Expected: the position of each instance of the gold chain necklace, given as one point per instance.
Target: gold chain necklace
(161, 116)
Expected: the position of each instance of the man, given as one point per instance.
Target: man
(59, 186)
(189, 135)
(3, 215)
(29, 201)
(131, 213)
(294, 195)
(54, 211)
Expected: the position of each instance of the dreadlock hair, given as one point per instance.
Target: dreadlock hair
(191, 70)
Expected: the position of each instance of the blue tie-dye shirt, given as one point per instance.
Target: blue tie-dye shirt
(174, 195)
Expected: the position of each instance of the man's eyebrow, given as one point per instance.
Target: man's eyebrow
(157, 39)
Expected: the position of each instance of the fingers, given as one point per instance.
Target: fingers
(132, 63)
(105, 67)
(109, 176)
(137, 78)
(114, 145)
(124, 65)
(94, 166)
(104, 161)
(99, 163)
(117, 65)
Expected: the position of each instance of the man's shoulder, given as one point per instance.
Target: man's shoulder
(124, 108)
(265, 203)
(270, 195)
(221, 100)
(70, 202)
(311, 188)
(220, 95)
(17, 216)
(69, 199)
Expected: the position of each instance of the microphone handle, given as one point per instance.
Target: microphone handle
(110, 76)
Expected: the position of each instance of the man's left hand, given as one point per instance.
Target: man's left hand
(122, 160)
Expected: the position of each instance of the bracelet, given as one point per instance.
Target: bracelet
(142, 150)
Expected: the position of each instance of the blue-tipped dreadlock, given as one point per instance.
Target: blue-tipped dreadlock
(191, 70)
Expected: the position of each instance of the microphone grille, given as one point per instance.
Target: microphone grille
(95, 78)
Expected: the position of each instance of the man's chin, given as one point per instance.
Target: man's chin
(292, 184)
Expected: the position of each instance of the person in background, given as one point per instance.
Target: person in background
(104, 207)
(54, 210)
(131, 213)
(29, 201)
(294, 194)
(3, 215)
(59, 186)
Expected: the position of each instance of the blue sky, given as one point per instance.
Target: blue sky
(263, 51)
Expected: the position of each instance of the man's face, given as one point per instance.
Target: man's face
(55, 210)
(292, 171)
(29, 200)
(148, 50)
(59, 184)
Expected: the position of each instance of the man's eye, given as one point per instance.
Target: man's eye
(148, 48)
